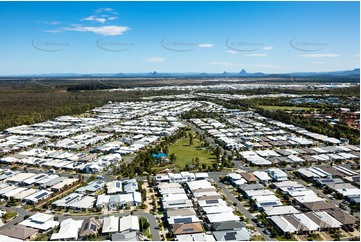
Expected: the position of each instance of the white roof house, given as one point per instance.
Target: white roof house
(222, 217)
(114, 187)
(261, 175)
(277, 174)
(328, 219)
(69, 230)
(37, 196)
(110, 224)
(85, 202)
(280, 210)
(40, 221)
(129, 223)
(308, 223)
(193, 185)
(283, 224)
(220, 209)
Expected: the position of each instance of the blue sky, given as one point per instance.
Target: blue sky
(128, 37)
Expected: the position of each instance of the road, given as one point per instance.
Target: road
(215, 177)
(20, 217)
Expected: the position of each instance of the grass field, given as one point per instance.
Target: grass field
(292, 108)
(185, 152)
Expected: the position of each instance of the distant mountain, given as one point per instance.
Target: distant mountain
(355, 73)
(243, 72)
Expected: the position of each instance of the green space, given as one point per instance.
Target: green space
(145, 227)
(186, 152)
(9, 215)
(291, 108)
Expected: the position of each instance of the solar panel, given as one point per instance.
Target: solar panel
(38, 177)
(96, 186)
(211, 201)
(93, 227)
(182, 220)
(41, 195)
(188, 230)
(268, 203)
(230, 236)
(117, 184)
(86, 226)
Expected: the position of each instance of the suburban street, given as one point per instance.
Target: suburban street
(215, 177)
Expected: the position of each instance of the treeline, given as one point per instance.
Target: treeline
(29, 106)
(314, 125)
(345, 91)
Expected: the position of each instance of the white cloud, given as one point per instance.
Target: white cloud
(233, 52)
(109, 30)
(153, 59)
(112, 18)
(268, 48)
(205, 45)
(109, 10)
(319, 55)
(256, 55)
(94, 18)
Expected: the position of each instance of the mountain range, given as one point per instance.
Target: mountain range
(355, 73)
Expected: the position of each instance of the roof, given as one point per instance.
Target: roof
(283, 224)
(110, 224)
(114, 187)
(40, 221)
(227, 225)
(69, 229)
(9, 239)
(126, 236)
(342, 216)
(195, 237)
(90, 226)
(280, 210)
(18, 232)
(129, 223)
(84, 203)
(261, 175)
(249, 176)
(189, 228)
(246, 187)
(222, 217)
(231, 235)
(218, 209)
(319, 205)
(180, 212)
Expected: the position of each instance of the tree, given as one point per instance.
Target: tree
(190, 139)
(146, 225)
(173, 158)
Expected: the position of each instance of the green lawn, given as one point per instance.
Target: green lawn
(185, 152)
(292, 108)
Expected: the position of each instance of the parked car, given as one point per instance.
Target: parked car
(260, 224)
(266, 231)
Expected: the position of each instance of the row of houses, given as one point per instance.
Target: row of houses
(118, 195)
(301, 155)
(31, 188)
(121, 229)
(192, 206)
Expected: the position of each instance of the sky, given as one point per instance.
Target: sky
(175, 37)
